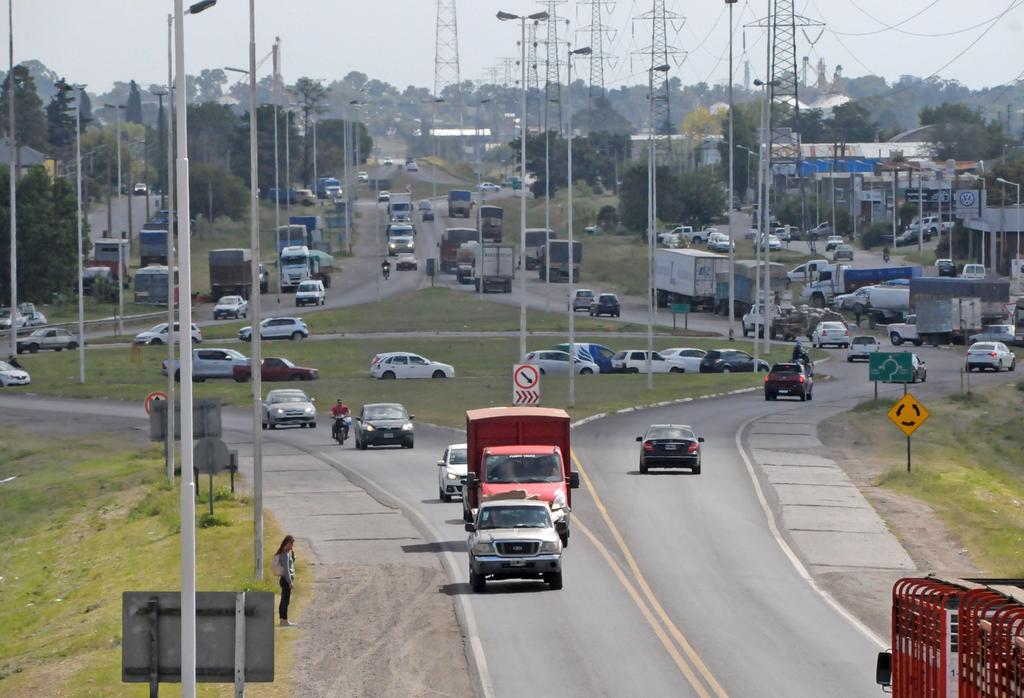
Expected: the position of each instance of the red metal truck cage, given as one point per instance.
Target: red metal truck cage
(957, 638)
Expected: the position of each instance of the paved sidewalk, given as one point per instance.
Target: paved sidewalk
(834, 530)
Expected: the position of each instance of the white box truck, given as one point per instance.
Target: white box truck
(687, 276)
(496, 269)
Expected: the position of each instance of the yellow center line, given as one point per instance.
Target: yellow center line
(645, 587)
(666, 641)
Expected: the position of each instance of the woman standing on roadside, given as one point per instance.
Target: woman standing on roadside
(283, 565)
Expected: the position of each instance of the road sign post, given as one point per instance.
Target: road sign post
(891, 367)
(681, 309)
(526, 384)
(908, 415)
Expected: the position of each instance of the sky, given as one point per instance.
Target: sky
(100, 41)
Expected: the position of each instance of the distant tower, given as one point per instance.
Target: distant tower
(822, 74)
(532, 76)
(837, 78)
(596, 32)
(553, 68)
(657, 54)
(746, 64)
(446, 47)
(803, 71)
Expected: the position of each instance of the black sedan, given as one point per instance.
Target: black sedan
(945, 267)
(606, 304)
(384, 424)
(729, 361)
(670, 446)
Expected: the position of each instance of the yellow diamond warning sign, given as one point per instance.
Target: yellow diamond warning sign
(908, 414)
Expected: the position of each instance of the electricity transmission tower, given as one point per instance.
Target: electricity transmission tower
(552, 65)
(532, 76)
(446, 47)
(596, 33)
(659, 53)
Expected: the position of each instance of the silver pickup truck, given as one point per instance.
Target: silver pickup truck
(211, 363)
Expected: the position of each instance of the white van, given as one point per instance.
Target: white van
(973, 271)
(310, 292)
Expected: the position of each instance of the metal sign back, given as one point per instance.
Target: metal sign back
(210, 456)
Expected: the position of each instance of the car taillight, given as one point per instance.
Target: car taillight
(991, 353)
(693, 447)
(648, 446)
(801, 379)
(766, 379)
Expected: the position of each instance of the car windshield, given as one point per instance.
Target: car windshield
(384, 412)
(4, 366)
(530, 467)
(669, 433)
(307, 287)
(287, 363)
(513, 517)
(297, 396)
(831, 325)
(864, 340)
(607, 298)
(230, 300)
(457, 456)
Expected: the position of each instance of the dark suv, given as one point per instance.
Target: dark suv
(729, 361)
(384, 424)
(606, 304)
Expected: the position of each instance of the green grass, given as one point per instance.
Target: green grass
(966, 465)
(68, 311)
(86, 518)
(482, 365)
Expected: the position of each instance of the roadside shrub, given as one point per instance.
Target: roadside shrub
(208, 521)
(608, 217)
(876, 234)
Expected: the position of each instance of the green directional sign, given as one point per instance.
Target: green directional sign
(891, 367)
(680, 308)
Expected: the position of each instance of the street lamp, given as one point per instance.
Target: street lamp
(13, 177)
(433, 139)
(1017, 185)
(585, 51)
(120, 204)
(732, 150)
(762, 321)
(537, 17)
(63, 86)
(652, 213)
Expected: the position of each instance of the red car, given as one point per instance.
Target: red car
(277, 369)
(789, 379)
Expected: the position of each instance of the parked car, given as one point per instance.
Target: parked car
(451, 471)
(157, 334)
(973, 271)
(556, 363)
(605, 304)
(384, 424)
(822, 230)
(276, 369)
(294, 328)
(426, 210)
(862, 347)
(773, 243)
(383, 196)
(310, 292)
(789, 379)
(990, 355)
(593, 353)
(687, 357)
(635, 361)
(9, 375)
(288, 406)
(230, 306)
(406, 365)
(582, 299)
(513, 539)
(406, 262)
(670, 446)
(730, 360)
(720, 242)
(306, 197)
(833, 242)
(842, 252)
(920, 372)
(945, 267)
(53, 338)
(488, 187)
(140, 189)
(784, 233)
(994, 333)
(835, 333)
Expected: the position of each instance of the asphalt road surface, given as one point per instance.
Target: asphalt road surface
(674, 585)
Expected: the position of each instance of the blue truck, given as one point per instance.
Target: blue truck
(839, 279)
(153, 246)
(328, 187)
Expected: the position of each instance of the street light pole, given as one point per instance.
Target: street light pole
(732, 227)
(537, 16)
(172, 229)
(12, 178)
(120, 203)
(652, 216)
(585, 51)
(65, 87)
(1017, 185)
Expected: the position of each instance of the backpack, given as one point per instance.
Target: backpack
(276, 567)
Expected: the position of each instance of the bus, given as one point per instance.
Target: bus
(151, 285)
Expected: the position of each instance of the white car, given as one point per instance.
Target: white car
(488, 187)
(635, 361)
(451, 471)
(383, 196)
(849, 301)
(157, 334)
(13, 376)
(833, 242)
(310, 292)
(412, 167)
(990, 355)
(862, 347)
(388, 161)
(405, 365)
(835, 333)
(230, 306)
(363, 176)
(720, 242)
(278, 328)
(556, 363)
(774, 244)
(687, 357)
(973, 271)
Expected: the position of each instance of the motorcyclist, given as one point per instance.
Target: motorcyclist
(340, 413)
(385, 268)
(800, 356)
(885, 253)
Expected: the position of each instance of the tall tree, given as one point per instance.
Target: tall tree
(961, 133)
(60, 124)
(133, 112)
(86, 107)
(311, 96)
(28, 110)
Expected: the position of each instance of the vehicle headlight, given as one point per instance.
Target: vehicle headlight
(280, 410)
(369, 427)
(559, 502)
(551, 546)
(407, 426)
(309, 410)
(483, 548)
(452, 476)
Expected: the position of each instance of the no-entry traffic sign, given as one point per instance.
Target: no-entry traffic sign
(525, 384)
(155, 395)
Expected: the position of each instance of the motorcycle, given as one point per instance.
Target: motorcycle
(807, 364)
(340, 428)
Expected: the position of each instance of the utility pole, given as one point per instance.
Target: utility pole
(12, 143)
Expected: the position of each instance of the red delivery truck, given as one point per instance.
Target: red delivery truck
(520, 448)
(955, 638)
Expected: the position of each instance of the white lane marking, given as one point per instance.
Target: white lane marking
(788, 551)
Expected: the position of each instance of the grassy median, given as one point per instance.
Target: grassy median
(966, 465)
(85, 518)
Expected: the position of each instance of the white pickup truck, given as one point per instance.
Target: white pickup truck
(900, 332)
(210, 363)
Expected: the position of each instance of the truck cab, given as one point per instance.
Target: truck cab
(808, 271)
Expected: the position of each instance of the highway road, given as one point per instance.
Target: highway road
(674, 585)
